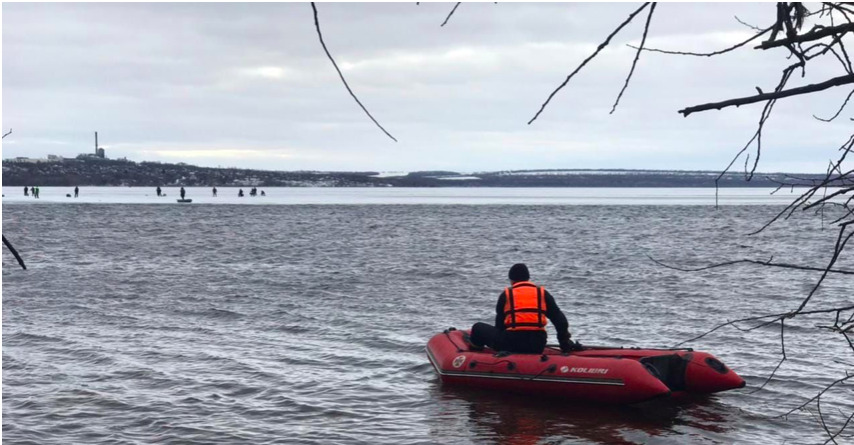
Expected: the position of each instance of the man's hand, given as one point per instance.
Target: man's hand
(570, 346)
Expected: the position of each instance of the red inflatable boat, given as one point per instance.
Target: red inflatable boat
(597, 374)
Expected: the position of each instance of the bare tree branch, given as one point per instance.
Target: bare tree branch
(774, 318)
(588, 59)
(320, 36)
(841, 429)
(757, 136)
(715, 53)
(450, 14)
(637, 56)
(812, 88)
(748, 24)
(791, 207)
(14, 252)
(837, 111)
(827, 388)
(841, 241)
(749, 261)
(7, 134)
(783, 359)
(809, 36)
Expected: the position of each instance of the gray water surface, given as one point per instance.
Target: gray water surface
(307, 323)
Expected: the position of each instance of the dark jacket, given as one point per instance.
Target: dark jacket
(553, 313)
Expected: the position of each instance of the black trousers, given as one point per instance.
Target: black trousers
(525, 342)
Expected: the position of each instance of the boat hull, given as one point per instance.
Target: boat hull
(602, 375)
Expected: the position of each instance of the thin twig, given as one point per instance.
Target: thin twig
(837, 250)
(761, 263)
(837, 111)
(774, 318)
(841, 429)
(595, 53)
(748, 24)
(7, 134)
(791, 207)
(783, 359)
(341, 75)
(637, 56)
(827, 388)
(450, 14)
(715, 53)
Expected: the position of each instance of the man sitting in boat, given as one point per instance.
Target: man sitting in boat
(520, 319)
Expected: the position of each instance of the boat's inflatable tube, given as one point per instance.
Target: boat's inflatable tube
(596, 374)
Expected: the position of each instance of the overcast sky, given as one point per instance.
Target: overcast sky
(248, 85)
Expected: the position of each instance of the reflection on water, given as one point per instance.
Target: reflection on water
(520, 419)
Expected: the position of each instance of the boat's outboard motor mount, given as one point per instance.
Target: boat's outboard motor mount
(670, 369)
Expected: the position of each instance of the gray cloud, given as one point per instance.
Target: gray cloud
(248, 85)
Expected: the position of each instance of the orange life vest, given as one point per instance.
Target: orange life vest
(525, 307)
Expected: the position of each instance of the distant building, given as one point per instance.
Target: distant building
(24, 159)
(99, 152)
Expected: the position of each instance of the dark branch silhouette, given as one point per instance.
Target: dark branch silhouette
(637, 56)
(450, 14)
(812, 88)
(749, 261)
(754, 27)
(807, 195)
(809, 36)
(782, 359)
(14, 252)
(847, 98)
(588, 59)
(320, 36)
(820, 393)
(7, 134)
(774, 318)
(714, 53)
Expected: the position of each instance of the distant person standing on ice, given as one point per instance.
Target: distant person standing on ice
(240, 193)
(182, 192)
(33, 191)
(26, 191)
(76, 191)
(520, 319)
(214, 191)
(158, 190)
(36, 192)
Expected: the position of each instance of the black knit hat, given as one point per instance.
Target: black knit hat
(519, 272)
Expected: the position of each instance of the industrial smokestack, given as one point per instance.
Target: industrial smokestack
(96, 142)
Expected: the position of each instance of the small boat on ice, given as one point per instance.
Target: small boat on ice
(596, 374)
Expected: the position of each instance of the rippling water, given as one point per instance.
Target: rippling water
(307, 323)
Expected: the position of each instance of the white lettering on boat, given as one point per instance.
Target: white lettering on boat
(590, 370)
(459, 361)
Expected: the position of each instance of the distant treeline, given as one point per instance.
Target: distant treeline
(106, 172)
